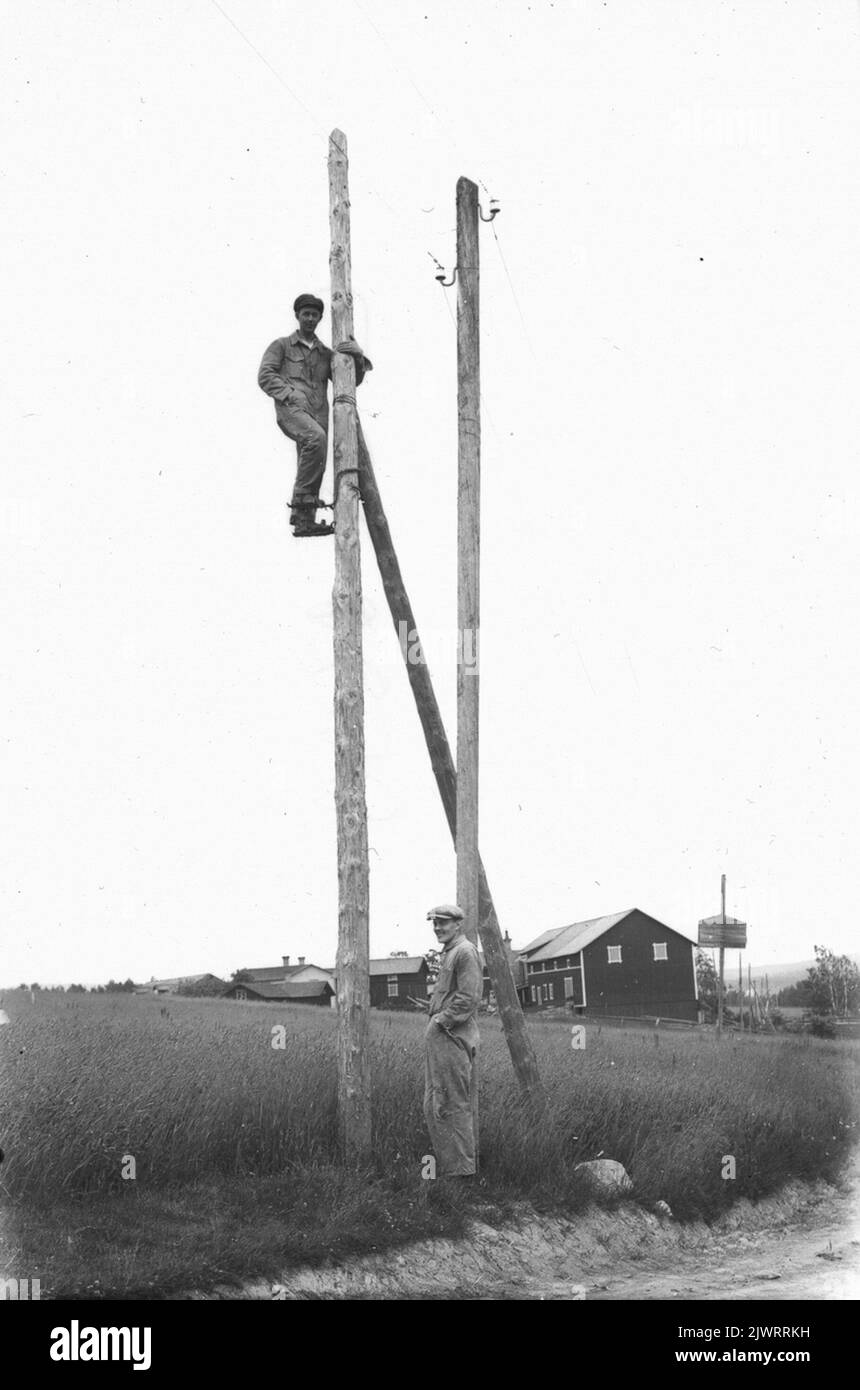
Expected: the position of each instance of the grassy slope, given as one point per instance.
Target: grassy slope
(234, 1139)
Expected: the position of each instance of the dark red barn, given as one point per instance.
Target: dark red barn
(625, 965)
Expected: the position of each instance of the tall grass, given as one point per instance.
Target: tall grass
(195, 1089)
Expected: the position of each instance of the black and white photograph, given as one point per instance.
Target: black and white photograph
(429, 525)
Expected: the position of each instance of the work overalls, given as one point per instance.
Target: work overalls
(297, 378)
(450, 1060)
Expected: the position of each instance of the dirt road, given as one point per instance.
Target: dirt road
(816, 1256)
(802, 1243)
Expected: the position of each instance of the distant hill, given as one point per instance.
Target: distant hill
(780, 976)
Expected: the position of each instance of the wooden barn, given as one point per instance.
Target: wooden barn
(394, 978)
(287, 991)
(625, 965)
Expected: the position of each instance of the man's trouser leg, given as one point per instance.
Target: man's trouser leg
(311, 441)
(448, 1099)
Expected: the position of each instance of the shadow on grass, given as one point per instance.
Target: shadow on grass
(161, 1243)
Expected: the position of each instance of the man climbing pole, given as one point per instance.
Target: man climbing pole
(451, 1047)
(295, 371)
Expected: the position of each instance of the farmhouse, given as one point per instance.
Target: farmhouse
(289, 991)
(627, 964)
(286, 973)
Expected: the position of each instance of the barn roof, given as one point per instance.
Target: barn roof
(397, 965)
(273, 972)
(181, 980)
(284, 989)
(566, 941)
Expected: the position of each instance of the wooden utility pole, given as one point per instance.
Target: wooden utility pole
(741, 988)
(353, 951)
(498, 964)
(468, 550)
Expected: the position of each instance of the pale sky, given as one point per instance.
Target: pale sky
(670, 594)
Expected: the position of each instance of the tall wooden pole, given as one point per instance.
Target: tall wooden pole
(468, 550)
(498, 964)
(722, 965)
(353, 951)
(741, 987)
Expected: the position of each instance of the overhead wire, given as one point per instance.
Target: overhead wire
(374, 192)
(319, 127)
(511, 283)
(452, 138)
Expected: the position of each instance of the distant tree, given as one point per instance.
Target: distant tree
(834, 984)
(706, 979)
(796, 996)
(240, 976)
(35, 985)
(432, 958)
(77, 989)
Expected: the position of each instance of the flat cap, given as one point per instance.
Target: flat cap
(308, 301)
(446, 912)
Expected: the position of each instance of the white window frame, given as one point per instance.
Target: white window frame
(568, 987)
(613, 959)
(664, 947)
(550, 992)
(395, 981)
(534, 989)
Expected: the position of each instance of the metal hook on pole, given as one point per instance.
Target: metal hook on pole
(494, 210)
(446, 284)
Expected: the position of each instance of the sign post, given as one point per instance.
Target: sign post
(723, 931)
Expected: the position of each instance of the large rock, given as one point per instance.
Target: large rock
(605, 1177)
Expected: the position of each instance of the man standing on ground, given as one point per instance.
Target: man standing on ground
(451, 1047)
(295, 371)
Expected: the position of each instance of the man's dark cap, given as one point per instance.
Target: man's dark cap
(447, 912)
(308, 301)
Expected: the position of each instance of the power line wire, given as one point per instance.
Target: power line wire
(304, 106)
(511, 283)
(452, 138)
(321, 129)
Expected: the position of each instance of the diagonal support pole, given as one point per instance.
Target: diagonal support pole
(510, 1011)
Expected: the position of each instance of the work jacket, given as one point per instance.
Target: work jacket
(458, 989)
(297, 377)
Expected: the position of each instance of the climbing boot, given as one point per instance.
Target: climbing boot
(312, 528)
(304, 523)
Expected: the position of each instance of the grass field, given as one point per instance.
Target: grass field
(233, 1141)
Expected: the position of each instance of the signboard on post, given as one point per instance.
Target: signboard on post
(723, 931)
